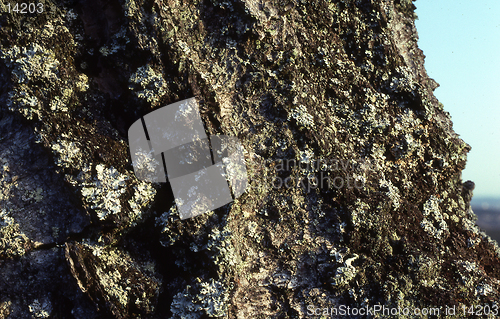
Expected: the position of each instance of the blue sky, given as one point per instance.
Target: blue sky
(461, 42)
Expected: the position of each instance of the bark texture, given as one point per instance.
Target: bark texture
(373, 213)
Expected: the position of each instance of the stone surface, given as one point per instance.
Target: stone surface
(374, 211)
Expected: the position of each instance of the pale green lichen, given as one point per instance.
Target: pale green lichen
(152, 85)
(121, 279)
(131, 8)
(40, 309)
(82, 84)
(391, 191)
(213, 298)
(470, 275)
(5, 308)
(306, 156)
(433, 222)
(71, 15)
(31, 63)
(35, 72)
(103, 194)
(119, 41)
(112, 281)
(13, 242)
(469, 220)
(220, 244)
(7, 179)
(359, 213)
(302, 117)
(205, 298)
(346, 271)
(252, 229)
(166, 219)
(60, 103)
(67, 153)
(23, 100)
(428, 270)
(144, 194)
(146, 165)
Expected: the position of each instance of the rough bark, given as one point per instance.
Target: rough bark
(340, 83)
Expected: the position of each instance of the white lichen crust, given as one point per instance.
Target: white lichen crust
(103, 194)
(115, 278)
(151, 84)
(206, 298)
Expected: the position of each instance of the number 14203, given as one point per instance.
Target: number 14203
(26, 8)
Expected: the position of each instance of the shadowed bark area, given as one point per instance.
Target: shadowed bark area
(355, 195)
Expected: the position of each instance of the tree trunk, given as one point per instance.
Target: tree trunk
(355, 197)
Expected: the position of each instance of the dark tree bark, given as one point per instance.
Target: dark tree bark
(374, 211)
